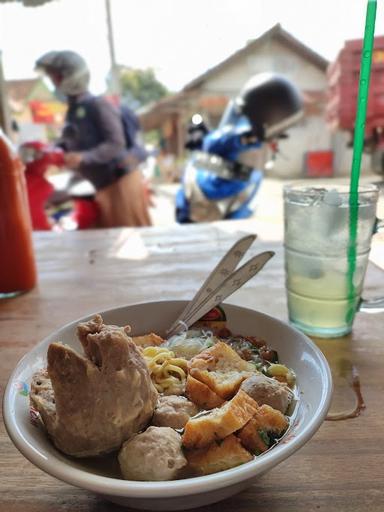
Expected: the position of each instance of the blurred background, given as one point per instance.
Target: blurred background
(168, 60)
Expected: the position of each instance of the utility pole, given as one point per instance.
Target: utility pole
(115, 80)
(5, 122)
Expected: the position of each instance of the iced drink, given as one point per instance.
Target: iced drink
(321, 301)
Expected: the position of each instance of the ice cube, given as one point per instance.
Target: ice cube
(332, 198)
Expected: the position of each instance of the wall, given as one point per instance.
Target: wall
(308, 135)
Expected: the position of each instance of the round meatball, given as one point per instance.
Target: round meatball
(154, 455)
(173, 411)
(265, 390)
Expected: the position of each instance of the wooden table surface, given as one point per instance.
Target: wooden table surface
(340, 469)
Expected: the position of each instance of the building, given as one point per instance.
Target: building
(276, 50)
(34, 109)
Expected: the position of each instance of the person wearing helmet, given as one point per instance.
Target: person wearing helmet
(94, 142)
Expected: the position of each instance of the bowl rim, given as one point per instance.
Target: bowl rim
(174, 488)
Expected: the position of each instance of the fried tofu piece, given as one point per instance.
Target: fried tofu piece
(200, 394)
(266, 420)
(221, 369)
(270, 419)
(148, 340)
(251, 439)
(219, 423)
(218, 456)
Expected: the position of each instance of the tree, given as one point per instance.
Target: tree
(140, 86)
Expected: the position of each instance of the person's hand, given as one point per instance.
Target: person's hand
(73, 160)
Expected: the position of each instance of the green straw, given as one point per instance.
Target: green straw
(358, 144)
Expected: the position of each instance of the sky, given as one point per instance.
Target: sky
(180, 39)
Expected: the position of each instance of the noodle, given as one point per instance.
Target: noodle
(168, 373)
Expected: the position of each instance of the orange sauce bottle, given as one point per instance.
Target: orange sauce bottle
(17, 261)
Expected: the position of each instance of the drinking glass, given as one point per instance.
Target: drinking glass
(323, 295)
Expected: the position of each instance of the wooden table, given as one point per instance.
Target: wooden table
(340, 469)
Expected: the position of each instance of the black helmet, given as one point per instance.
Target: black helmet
(71, 67)
(270, 102)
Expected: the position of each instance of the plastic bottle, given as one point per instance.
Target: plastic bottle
(17, 261)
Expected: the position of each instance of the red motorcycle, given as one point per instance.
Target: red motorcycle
(55, 191)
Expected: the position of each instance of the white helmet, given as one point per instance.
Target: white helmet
(69, 69)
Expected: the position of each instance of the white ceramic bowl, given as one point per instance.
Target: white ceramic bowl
(294, 349)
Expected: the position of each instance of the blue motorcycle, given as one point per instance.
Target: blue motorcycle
(220, 179)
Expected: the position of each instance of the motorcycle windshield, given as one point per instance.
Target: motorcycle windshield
(231, 118)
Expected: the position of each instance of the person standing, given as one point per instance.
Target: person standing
(94, 143)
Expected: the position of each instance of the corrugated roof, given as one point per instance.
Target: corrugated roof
(277, 32)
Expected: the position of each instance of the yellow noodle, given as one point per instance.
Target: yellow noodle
(175, 369)
(180, 362)
(159, 358)
(168, 372)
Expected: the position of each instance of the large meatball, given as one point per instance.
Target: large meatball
(154, 455)
(173, 411)
(94, 402)
(265, 390)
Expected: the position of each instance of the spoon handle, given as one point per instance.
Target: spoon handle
(232, 283)
(223, 269)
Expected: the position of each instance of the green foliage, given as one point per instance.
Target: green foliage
(140, 86)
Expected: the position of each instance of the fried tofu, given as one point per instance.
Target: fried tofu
(266, 420)
(200, 394)
(270, 419)
(219, 423)
(251, 439)
(221, 369)
(218, 456)
(148, 340)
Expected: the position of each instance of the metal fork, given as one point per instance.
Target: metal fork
(221, 283)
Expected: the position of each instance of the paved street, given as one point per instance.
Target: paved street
(269, 211)
(268, 215)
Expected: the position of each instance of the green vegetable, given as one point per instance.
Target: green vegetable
(264, 437)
